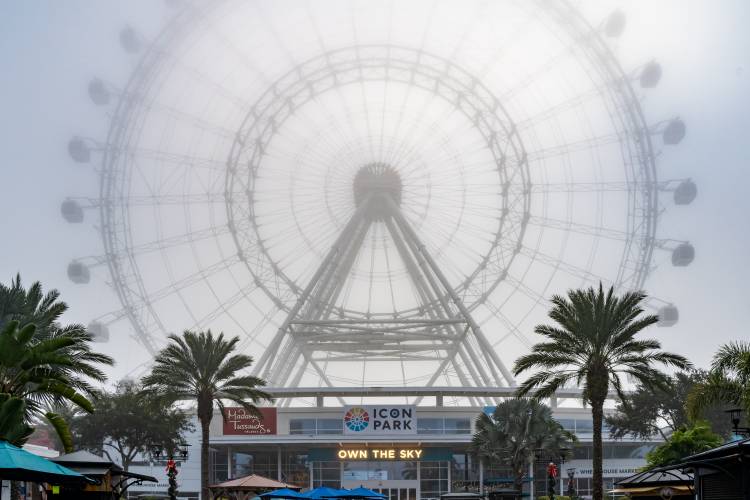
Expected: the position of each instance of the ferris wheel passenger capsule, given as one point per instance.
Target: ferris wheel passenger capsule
(615, 24)
(71, 211)
(685, 193)
(668, 315)
(79, 150)
(650, 75)
(674, 132)
(98, 331)
(683, 255)
(98, 92)
(130, 41)
(78, 272)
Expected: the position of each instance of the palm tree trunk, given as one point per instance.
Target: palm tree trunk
(597, 412)
(205, 423)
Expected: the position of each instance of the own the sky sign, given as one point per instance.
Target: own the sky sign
(380, 420)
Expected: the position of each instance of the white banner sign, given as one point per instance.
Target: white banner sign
(610, 467)
(380, 420)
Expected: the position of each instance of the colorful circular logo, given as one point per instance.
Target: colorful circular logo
(357, 419)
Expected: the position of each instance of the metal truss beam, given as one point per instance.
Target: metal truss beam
(317, 332)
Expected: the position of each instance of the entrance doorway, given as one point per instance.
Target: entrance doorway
(398, 493)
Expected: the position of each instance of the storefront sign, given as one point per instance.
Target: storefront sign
(610, 467)
(379, 453)
(380, 420)
(239, 421)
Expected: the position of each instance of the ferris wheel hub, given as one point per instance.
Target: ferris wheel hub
(376, 180)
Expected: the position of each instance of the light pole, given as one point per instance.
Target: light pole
(571, 476)
(735, 414)
(157, 452)
(563, 452)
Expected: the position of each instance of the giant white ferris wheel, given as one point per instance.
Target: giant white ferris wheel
(374, 193)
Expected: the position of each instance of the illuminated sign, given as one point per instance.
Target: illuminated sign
(237, 421)
(379, 453)
(380, 420)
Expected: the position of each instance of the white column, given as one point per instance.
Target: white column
(560, 474)
(450, 479)
(230, 473)
(531, 480)
(278, 464)
(481, 476)
(419, 480)
(311, 475)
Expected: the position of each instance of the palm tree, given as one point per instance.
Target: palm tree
(202, 368)
(515, 431)
(34, 372)
(81, 366)
(727, 382)
(592, 344)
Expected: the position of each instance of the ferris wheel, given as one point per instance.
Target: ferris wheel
(374, 193)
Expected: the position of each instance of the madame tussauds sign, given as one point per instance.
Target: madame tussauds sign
(380, 420)
(238, 421)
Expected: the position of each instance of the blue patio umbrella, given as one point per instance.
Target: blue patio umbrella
(323, 492)
(282, 493)
(360, 492)
(17, 464)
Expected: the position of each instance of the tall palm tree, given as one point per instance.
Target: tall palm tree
(200, 367)
(515, 431)
(592, 344)
(727, 382)
(82, 366)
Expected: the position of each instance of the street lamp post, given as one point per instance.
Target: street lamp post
(571, 476)
(563, 452)
(157, 452)
(735, 414)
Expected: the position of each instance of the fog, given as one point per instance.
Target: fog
(225, 149)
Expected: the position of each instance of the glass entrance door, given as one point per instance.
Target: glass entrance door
(398, 493)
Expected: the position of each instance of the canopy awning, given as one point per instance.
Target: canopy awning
(653, 490)
(17, 464)
(253, 482)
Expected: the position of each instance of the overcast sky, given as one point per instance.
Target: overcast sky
(50, 50)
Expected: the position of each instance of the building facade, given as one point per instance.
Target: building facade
(408, 452)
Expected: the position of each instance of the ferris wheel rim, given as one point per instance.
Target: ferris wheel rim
(111, 183)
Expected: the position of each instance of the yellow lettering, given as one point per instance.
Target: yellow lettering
(391, 453)
(418, 453)
(342, 454)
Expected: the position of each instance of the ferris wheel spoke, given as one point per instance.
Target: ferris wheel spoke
(549, 112)
(509, 325)
(589, 187)
(159, 156)
(572, 147)
(189, 280)
(165, 243)
(576, 227)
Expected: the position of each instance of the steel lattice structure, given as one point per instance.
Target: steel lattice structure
(368, 200)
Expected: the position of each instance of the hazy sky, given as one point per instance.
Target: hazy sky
(50, 50)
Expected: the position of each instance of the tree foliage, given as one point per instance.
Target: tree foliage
(683, 442)
(13, 427)
(41, 361)
(592, 344)
(127, 421)
(201, 367)
(728, 382)
(648, 412)
(34, 372)
(517, 428)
